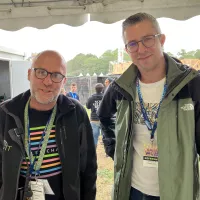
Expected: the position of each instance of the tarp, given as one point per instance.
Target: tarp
(16, 14)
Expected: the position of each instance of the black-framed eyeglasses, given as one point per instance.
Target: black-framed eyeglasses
(147, 41)
(56, 77)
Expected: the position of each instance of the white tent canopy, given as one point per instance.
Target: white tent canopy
(16, 14)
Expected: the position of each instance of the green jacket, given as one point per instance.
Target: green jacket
(178, 132)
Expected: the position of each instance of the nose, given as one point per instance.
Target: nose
(141, 48)
(47, 81)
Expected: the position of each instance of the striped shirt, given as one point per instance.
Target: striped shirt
(51, 166)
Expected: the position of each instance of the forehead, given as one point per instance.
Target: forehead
(139, 30)
(50, 62)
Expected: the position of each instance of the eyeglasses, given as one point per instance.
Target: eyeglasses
(56, 77)
(147, 41)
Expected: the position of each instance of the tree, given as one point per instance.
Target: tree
(184, 54)
(170, 54)
(197, 54)
(90, 63)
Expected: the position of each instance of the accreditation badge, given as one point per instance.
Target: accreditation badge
(150, 157)
(38, 190)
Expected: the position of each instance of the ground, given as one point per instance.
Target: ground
(104, 174)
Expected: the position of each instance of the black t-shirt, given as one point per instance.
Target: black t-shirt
(51, 166)
(93, 104)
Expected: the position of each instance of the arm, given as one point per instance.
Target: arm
(106, 113)
(88, 172)
(197, 126)
(195, 95)
(89, 103)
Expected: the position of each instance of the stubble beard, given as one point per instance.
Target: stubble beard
(42, 101)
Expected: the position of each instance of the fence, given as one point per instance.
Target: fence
(85, 85)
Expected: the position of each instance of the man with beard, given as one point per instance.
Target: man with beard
(47, 149)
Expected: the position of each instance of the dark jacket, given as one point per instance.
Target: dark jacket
(178, 132)
(93, 104)
(75, 145)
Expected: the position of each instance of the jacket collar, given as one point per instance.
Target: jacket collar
(17, 104)
(173, 70)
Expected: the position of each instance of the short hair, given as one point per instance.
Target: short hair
(137, 18)
(73, 84)
(109, 79)
(99, 87)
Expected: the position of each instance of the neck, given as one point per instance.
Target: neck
(41, 107)
(155, 75)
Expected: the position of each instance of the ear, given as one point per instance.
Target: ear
(126, 51)
(162, 39)
(64, 81)
(29, 74)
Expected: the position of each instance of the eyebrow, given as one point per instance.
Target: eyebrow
(141, 38)
(49, 71)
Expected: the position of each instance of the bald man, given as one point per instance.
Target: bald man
(47, 150)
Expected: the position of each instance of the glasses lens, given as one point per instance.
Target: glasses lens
(41, 73)
(132, 47)
(149, 41)
(57, 77)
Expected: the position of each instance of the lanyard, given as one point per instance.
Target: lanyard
(150, 127)
(35, 166)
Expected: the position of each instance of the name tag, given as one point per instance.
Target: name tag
(150, 157)
(38, 190)
(47, 187)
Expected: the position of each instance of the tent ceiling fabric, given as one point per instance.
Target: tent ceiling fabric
(16, 14)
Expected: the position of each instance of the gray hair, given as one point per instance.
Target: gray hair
(137, 18)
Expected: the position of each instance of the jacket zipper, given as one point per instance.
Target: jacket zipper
(126, 147)
(61, 142)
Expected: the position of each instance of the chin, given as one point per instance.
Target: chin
(46, 101)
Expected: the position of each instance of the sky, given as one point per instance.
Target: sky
(96, 37)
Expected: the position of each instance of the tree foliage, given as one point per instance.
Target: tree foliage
(91, 64)
(183, 54)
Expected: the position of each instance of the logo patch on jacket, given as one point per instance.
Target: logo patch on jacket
(188, 107)
(6, 147)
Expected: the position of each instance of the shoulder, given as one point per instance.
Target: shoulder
(67, 104)
(115, 92)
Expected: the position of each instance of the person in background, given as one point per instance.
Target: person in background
(73, 92)
(108, 81)
(93, 104)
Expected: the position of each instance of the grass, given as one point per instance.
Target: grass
(104, 174)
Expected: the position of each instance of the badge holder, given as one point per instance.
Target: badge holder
(37, 189)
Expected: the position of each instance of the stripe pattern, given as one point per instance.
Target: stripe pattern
(51, 164)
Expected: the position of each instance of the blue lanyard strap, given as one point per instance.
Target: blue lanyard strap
(148, 123)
